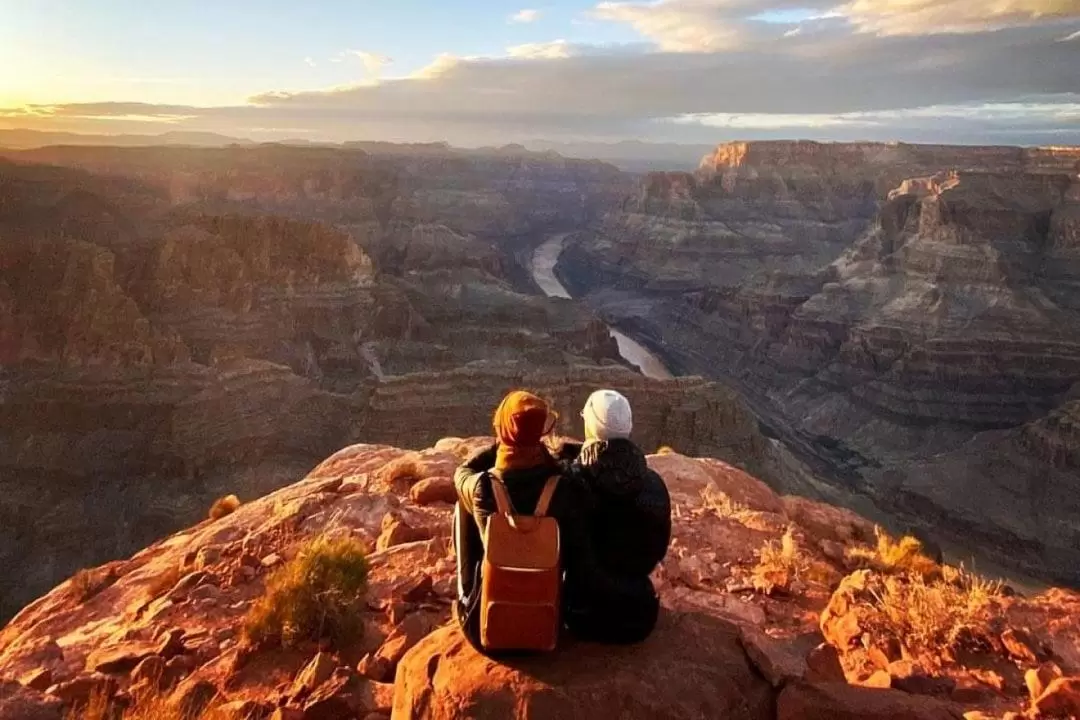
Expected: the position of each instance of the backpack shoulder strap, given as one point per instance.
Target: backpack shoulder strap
(546, 495)
(502, 496)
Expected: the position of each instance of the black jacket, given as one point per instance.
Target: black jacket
(630, 517)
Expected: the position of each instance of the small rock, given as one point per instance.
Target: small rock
(1060, 699)
(18, 702)
(416, 589)
(172, 643)
(247, 573)
(271, 560)
(151, 669)
(79, 690)
(433, 490)
(287, 713)
(186, 584)
(823, 664)
(373, 668)
(397, 532)
(205, 592)
(778, 661)
(40, 679)
(314, 674)
(1037, 679)
(207, 557)
(911, 679)
(1019, 645)
(335, 699)
(117, 659)
(247, 559)
(835, 551)
(177, 669)
(879, 679)
(192, 698)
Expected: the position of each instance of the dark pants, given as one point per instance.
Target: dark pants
(625, 615)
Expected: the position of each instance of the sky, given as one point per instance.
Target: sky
(499, 71)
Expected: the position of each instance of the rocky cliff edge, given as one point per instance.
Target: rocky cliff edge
(773, 607)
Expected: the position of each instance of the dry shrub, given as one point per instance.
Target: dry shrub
(224, 506)
(894, 556)
(88, 582)
(666, 450)
(715, 499)
(780, 563)
(149, 706)
(318, 595)
(927, 615)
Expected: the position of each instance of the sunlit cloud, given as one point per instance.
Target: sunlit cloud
(373, 62)
(525, 16)
(554, 50)
(310, 62)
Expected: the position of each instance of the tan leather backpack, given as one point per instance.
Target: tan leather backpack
(521, 583)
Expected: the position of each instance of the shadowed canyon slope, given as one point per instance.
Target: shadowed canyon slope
(907, 318)
(181, 324)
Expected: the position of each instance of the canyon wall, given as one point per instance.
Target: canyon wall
(887, 311)
(179, 324)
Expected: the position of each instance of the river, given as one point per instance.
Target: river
(543, 272)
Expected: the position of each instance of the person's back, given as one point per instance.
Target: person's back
(525, 468)
(629, 524)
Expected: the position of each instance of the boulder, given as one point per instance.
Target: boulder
(314, 674)
(1060, 699)
(839, 701)
(692, 667)
(79, 690)
(433, 490)
(22, 703)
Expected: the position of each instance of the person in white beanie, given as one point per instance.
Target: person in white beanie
(630, 523)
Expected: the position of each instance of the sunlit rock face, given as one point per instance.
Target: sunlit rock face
(878, 305)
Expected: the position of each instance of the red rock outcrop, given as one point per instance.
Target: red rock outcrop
(167, 620)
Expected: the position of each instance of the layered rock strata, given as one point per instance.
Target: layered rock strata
(873, 322)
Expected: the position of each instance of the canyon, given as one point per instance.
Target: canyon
(884, 326)
(180, 324)
(903, 318)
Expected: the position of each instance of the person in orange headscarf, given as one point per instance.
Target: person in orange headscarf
(520, 458)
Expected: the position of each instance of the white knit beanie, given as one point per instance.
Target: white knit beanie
(607, 416)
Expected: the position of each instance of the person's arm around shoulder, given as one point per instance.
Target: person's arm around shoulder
(468, 481)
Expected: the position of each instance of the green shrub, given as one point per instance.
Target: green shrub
(318, 595)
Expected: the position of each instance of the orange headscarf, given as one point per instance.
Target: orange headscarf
(521, 422)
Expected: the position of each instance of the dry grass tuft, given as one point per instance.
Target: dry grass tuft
(88, 582)
(715, 499)
(224, 506)
(894, 556)
(152, 706)
(318, 595)
(780, 564)
(666, 450)
(930, 615)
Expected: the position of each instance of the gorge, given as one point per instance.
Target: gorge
(893, 322)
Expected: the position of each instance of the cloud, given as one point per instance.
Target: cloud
(946, 16)
(831, 80)
(719, 25)
(557, 49)
(525, 16)
(1068, 38)
(310, 62)
(373, 62)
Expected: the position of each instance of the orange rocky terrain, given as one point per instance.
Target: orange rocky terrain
(775, 607)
